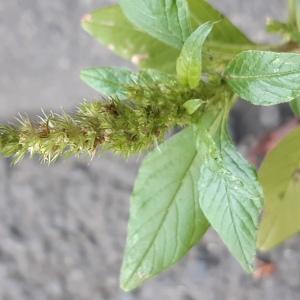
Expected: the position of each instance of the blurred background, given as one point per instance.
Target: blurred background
(63, 227)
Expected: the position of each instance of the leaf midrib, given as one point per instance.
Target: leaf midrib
(163, 219)
(235, 227)
(231, 212)
(261, 76)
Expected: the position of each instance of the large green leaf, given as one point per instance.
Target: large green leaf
(265, 78)
(165, 217)
(189, 63)
(166, 20)
(115, 82)
(280, 178)
(230, 195)
(224, 31)
(112, 28)
(109, 26)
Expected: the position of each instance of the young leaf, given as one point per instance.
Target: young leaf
(116, 81)
(166, 20)
(280, 178)
(192, 105)
(265, 78)
(224, 32)
(165, 217)
(112, 28)
(189, 63)
(230, 195)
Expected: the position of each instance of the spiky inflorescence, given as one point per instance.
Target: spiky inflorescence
(125, 127)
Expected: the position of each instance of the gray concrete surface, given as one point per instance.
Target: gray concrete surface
(63, 227)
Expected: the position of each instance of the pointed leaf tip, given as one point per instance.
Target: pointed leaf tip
(189, 63)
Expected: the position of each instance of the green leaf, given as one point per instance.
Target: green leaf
(225, 40)
(109, 26)
(192, 105)
(280, 178)
(166, 20)
(189, 63)
(108, 81)
(265, 78)
(230, 195)
(224, 32)
(116, 81)
(165, 217)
